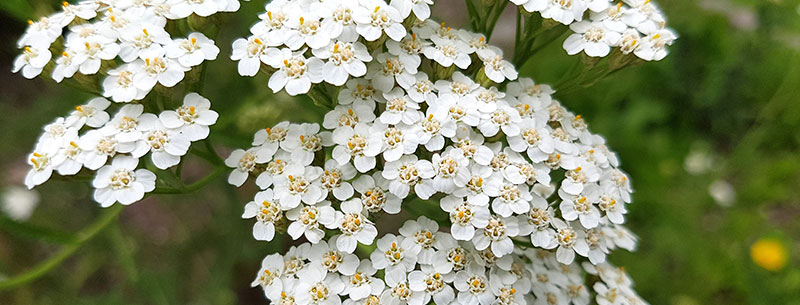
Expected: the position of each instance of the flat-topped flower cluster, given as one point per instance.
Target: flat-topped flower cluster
(126, 41)
(112, 146)
(632, 26)
(423, 120)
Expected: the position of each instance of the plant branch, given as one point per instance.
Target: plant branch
(83, 237)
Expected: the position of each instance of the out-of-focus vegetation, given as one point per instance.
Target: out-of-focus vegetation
(727, 97)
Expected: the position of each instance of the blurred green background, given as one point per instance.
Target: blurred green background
(710, 137)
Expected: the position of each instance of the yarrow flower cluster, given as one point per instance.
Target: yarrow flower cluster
(125, 40)
(113, 146)
(514, 199)
(632, 26)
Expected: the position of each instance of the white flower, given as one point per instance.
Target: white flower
(423, 231)
(340, 24)
(511, 199)
(497, 234)
(531, 93)
(354, 225)
(71, 158)
(580, 208)
(122, 182)
(324, 255)
(19, 203)
(306, 29)
(56, 134)
(465, 217)
(162, 70)
(447, 52)
(591, 37)
(399, 108)
(31, 61)
(561, 11)
(566, 238)
(420, 8)
(143, 41)
(394, 257)
(344, 59)
(250, 53)
(243, 162)
(591, 244)
(93, 51)
(307, 219)
(473, 288)
(166, 146)
(274, 168)
(334, 179)
(352, 143)
(268, 276)
(193, 50)
(92, 114)
(534, 139)
(374, 17)
(192, 118)
(271, 138)
(432, 284)
(97, 148)
(498, 70)
(203, 8)
(124, 126)
(375, 194)
(65, 66)
(347, 116)
(295, 72)
(431, 130)
(358, 91)
(408, 49)
(40, 34)
(452, 171)
(398, 292)
(319, 288)
(503, 118)
(361, 283)
(297, 184)
(120, 87)
(267, 212)
(42, 165)
(653, 46)
(385, 69)
(537, 225)
(450, 255)
(480, 185)
(408, 172)
(393, 142)
(304, 140)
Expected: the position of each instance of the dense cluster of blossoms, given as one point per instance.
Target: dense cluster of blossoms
(112, 146)
(520, 200)
(522, 185)
(126, 41)
(633, 26)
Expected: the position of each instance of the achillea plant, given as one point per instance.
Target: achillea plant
(511, 198)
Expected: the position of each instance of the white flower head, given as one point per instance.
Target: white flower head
(295, 72)
(192, 118)
(193, 50)
(374, 17)
(122, 182)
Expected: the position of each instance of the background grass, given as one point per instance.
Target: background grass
(729, 90)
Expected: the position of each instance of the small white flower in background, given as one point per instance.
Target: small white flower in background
(497, 235)
(498, 69)
(306, 30)
(295, 72)
(363, 283)
(374, 17)
(122, 182)
(56, 134)
(375, 194)
(19, 203)
(386, 69)
(591, 37)
(392, 141)
(722, 192)
(66, 66)
(304, 140)
(243, 162)
(271, 138)
(193, 50)
(92, 114)
(93, 51)
(299, 184)
(192, 118)
(267, 212)
(334, 179)
(394, 256)
(399, 108)
(654, 46)
(31, 61)
(447, 52)
(473, 288)
(340, 24)
(423, 231)
(41, 33)
(344, 59)
(124, 126)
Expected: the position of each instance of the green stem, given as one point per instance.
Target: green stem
(84, 236)
(497, 10)
(474, 17)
